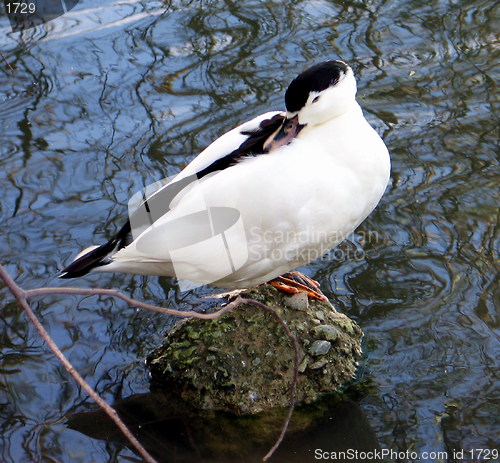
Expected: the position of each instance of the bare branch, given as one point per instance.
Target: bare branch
(6, 62)
(114, 293)
(20, 296)
(23, 295)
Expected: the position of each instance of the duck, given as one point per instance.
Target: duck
(269, 196)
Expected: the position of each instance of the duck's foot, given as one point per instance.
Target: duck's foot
(296, 282)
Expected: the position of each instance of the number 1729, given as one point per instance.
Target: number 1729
(20, 8)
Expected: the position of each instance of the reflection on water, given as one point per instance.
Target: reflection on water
(110, 98)
(171, 431)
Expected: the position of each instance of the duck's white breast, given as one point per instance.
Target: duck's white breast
(302, 200)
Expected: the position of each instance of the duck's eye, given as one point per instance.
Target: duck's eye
(315, 99)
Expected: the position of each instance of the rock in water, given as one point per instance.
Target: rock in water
(243, 361)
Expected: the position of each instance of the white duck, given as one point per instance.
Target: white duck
(270, 195)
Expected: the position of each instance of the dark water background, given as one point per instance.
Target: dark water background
(113, 96)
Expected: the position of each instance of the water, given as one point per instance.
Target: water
(111, 97)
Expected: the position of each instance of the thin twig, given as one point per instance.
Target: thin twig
(296, 348)
(20, 296)
(6, 62)
(114, 293)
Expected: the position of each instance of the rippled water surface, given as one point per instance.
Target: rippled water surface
(113, 96)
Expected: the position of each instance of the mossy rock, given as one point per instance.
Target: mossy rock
(243, 361)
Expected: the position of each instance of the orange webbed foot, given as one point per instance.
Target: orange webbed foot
(296, 282)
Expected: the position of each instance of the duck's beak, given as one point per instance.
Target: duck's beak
(284, 135)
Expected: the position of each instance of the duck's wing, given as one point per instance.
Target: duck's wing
(246, 140)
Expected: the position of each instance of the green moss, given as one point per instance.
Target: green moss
(243, 362)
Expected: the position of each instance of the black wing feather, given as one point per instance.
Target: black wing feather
(252, 146)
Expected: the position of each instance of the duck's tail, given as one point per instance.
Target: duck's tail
(97, 256)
